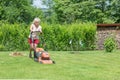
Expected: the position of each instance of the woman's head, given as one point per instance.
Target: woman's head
(36, 22)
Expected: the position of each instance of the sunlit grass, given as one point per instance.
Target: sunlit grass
(83, 65)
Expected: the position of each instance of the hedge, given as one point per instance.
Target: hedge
(76, 36)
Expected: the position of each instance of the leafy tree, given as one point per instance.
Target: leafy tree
(49, 13)
(115, 10)
(18, 11)
(99, 11)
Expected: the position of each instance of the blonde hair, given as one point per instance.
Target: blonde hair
(36, 20)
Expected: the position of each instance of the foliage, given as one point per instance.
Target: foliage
(77, 36)
(99, 11)
(13, 37)
(110, 44)
(61, 11)
(18, 11)
(49, 14)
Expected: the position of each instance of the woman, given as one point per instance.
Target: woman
(35, 28)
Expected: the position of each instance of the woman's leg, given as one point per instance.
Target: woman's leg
(35, 46)
(31, 49)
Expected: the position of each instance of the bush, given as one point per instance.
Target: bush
(77, 36)
(14, 36)
(109, 44)
(2, 48)
(18, 11)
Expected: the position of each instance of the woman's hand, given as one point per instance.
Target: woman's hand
(41, 33)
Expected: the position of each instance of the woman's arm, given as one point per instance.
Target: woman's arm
(40, 29)
(31, 28)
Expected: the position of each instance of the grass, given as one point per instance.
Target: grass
(83, 65)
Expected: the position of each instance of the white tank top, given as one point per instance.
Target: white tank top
(34, 28)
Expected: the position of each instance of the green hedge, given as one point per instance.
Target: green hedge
(13, 37)
(77, 36)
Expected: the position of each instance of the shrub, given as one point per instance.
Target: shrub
(58, 37)
(2, 48)
(76, 36)
(109, 44)
(14, 36)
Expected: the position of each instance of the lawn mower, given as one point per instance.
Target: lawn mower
(43, 56)
(40, 55)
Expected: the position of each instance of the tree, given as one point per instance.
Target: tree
(18, 11)
(49, 13)
(115, 10)
(99, 11)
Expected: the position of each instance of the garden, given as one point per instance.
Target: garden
(69, 35)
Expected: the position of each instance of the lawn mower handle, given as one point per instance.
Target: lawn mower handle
(31, 35)
(43, 42)
(42, 38)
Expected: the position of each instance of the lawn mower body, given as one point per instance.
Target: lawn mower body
(43, 56)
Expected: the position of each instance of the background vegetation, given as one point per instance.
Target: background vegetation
(67, 25)
(110, 44)
(67, 11)
(98, 11)
(56, 37)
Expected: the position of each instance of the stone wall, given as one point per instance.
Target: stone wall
(104, 32)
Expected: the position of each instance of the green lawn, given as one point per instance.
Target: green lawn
(83, 65)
